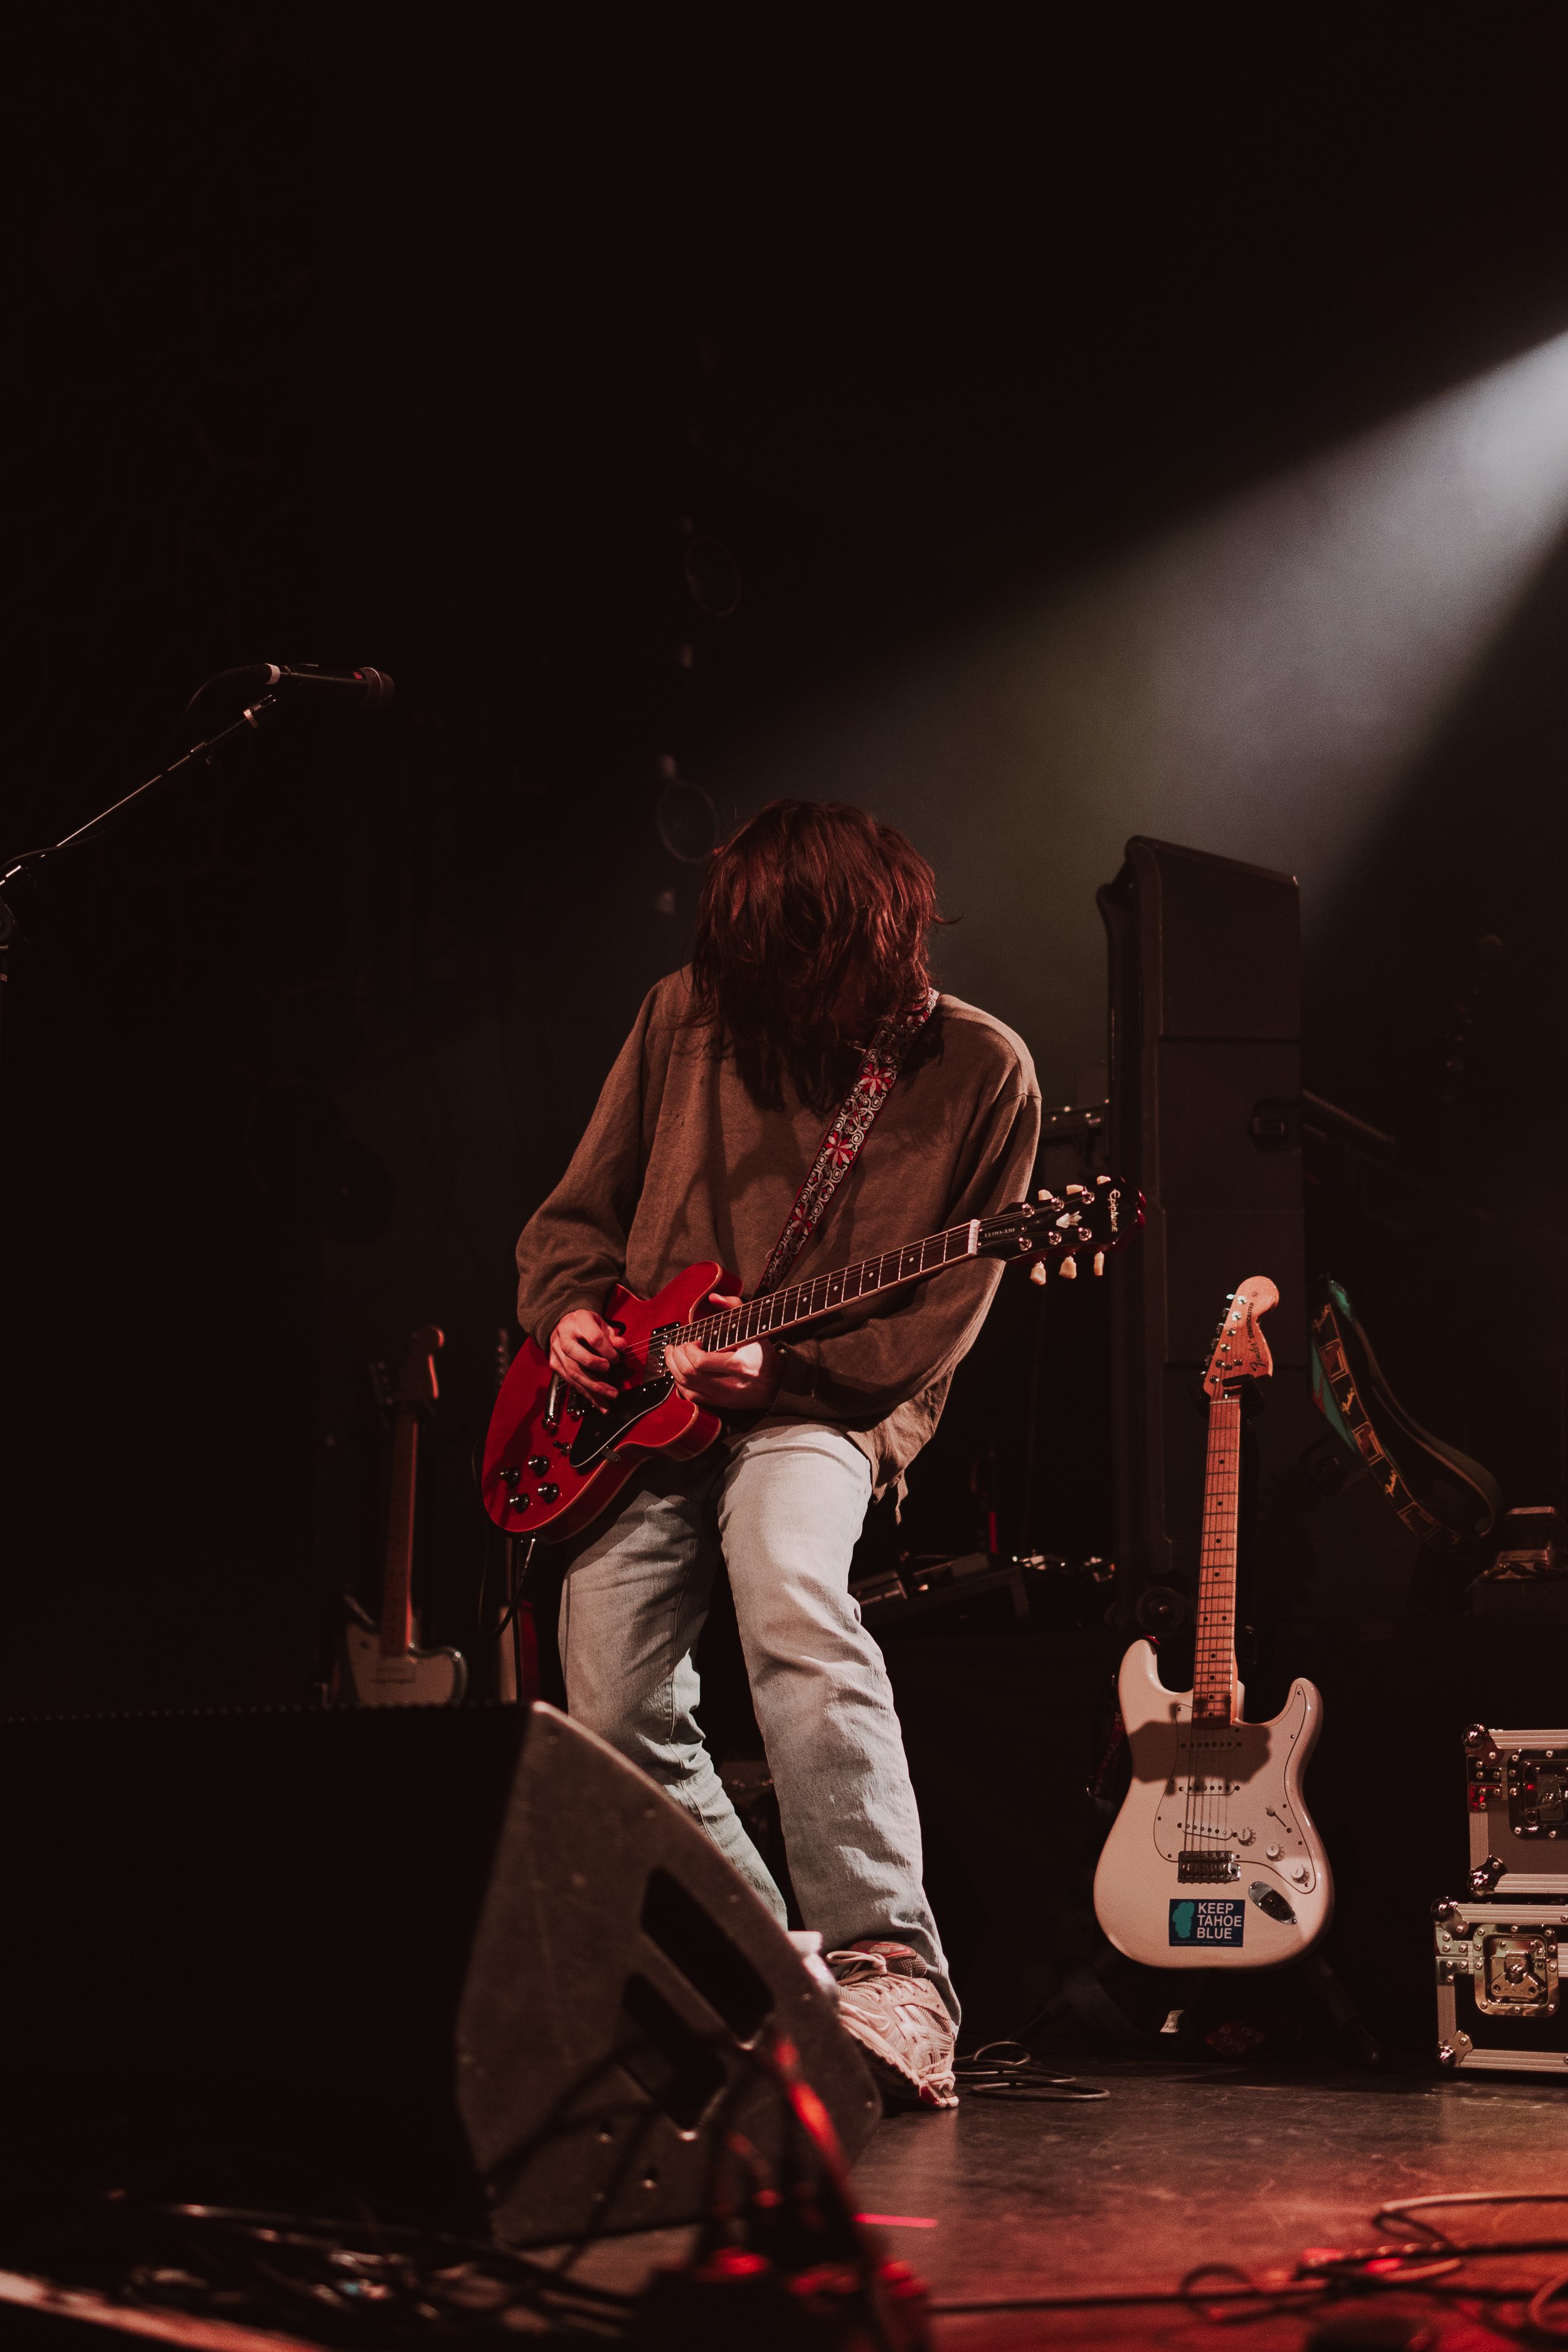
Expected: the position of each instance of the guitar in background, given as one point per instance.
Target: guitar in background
(385, 1666)
(1212, 1861)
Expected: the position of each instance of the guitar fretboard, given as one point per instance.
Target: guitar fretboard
(802, 1302)
(1213, 1666)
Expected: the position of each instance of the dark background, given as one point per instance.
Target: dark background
(414, 341)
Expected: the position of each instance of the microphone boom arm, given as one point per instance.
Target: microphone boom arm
(200, 754)
(372, 688)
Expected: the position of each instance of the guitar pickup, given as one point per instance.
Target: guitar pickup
(1206, 1869)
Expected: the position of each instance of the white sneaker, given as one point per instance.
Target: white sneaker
(888, 2003)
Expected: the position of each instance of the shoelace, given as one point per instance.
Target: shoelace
(856, 1968)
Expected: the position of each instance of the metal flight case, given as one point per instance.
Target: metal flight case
(1499, 2005)
(1500, 1997)
(1518, 1798)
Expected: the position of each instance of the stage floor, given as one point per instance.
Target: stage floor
(1188, 2165)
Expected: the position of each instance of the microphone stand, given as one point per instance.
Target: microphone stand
(199, 755)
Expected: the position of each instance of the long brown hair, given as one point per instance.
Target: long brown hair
(812, 924)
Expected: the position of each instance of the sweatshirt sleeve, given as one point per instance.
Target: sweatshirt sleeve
(574, 1248)
(858, 1376)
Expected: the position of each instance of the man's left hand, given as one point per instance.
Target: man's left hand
(732, 1380)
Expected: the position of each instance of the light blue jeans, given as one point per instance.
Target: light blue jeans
(781, 1506)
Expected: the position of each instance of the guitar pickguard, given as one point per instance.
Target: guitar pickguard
(604, 1427)
(1225, 1803)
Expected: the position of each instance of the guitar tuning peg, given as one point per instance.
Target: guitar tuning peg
(1041, 1270)
(1099, 1264)
(1043, 1194)
(1069, 1269)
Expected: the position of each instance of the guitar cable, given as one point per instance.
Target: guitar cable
(1007, 2071)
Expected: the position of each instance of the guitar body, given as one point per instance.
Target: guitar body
(403, 1677)
(1254, 1888)
(551, 1474)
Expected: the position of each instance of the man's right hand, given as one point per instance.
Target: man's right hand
(582, 1350)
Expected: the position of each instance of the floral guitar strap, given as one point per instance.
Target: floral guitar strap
(850, 1125)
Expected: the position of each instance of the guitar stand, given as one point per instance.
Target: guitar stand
(1197, 2024)
(517, 1618)
(1124, 2014)
(1350, 2030)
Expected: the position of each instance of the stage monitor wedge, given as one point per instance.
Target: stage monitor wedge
(462, 1966)
(1205, 1115)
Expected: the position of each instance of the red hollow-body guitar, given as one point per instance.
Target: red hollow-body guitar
(555, 1459)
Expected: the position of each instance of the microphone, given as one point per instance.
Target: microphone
(371, 690)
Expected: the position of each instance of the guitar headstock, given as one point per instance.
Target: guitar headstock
(417, 1373)
(1058, 1229)
(1240, 1350)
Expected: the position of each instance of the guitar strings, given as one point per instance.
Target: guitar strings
(736, 1324)
(731, 1328)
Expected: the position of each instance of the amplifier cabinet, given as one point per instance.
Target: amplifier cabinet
(1499, 2004)
(1517, 1792)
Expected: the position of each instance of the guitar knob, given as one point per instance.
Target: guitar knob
(548, 1491)
(1272, 1851)
(517, 1503)
(512, 1475)
(537, 1465)
(1297, 1870)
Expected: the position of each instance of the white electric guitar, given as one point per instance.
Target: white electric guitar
(1212, 1861)
(385, 1667)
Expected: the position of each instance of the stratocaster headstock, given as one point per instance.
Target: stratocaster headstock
(1058, 1229)
(1240, 1350)
(417, 1373)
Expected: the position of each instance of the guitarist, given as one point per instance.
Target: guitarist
(810, 947)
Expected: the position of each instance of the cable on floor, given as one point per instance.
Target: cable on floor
(1007, 2071)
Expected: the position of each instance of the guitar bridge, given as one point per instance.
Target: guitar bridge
(1206, 1869)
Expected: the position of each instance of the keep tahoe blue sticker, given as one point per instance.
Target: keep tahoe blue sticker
(1207, 1919)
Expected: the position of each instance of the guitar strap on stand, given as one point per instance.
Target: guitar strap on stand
(851, 1124)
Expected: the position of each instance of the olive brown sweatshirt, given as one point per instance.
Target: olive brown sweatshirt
(680, 1162)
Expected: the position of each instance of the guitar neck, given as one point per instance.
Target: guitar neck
(804, 1302)
(397, 1579)
(1214, 1665)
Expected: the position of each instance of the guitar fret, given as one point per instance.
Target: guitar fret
(804, 1301)
(1214, 1665)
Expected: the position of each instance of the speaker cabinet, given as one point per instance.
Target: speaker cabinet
(1205, 1114)
(465, 1965)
